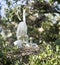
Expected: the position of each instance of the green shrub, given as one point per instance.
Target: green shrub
(48, 56)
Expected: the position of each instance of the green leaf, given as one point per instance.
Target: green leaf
(57, 42)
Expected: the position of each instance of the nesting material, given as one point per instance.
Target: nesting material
(31, 49)
(26, 48)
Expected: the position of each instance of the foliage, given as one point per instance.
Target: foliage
(43, 26)
(48, 56)
(6, 56)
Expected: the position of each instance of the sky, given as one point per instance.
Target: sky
(5, 6)
(3, 3)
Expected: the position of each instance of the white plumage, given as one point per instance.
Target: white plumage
(22, 36)
(22, 27)
(21, 30)
(18, 43)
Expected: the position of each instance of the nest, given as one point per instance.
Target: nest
(29, 50)
(24, 51)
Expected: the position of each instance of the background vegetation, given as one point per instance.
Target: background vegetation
(43, 20)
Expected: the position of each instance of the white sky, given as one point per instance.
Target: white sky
(3, 6)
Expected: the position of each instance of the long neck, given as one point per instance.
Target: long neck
(24, 18)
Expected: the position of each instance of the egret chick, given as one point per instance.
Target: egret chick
(18, 43)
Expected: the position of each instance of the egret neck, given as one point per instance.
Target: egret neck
(24, 14)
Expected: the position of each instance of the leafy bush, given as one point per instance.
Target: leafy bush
(45, 30)
(48, 56)
(6, 56)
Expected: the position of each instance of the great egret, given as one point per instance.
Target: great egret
(22, 27)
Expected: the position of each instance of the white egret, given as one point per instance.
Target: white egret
(22, 27)
(18, 43)
(33, 45)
